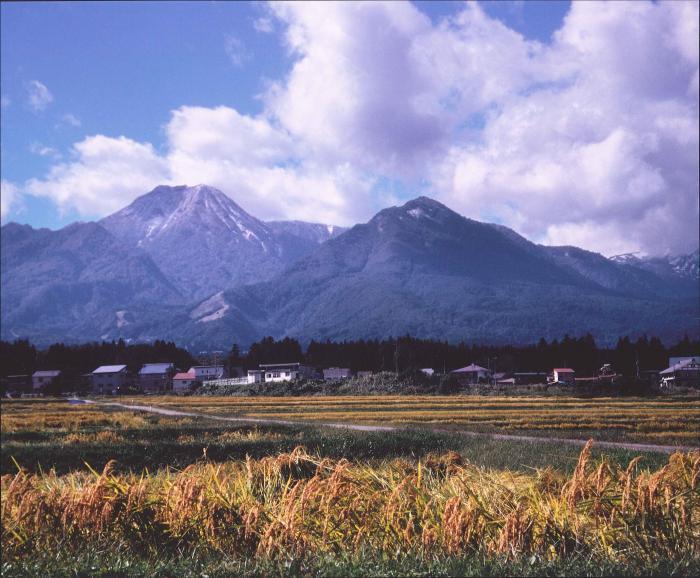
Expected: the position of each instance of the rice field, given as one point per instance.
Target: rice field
(652, 420)
(299, 505)
(94, 490)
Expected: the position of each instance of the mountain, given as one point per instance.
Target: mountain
(75, 283)
(623, 276)
(425, 270)
(669, 267)
(204, 242)
(187, 263)
(299, 238)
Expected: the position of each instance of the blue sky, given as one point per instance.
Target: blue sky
(90, 73)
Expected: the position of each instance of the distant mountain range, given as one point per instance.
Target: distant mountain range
(189, 264)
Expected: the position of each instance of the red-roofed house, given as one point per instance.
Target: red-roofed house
(564, 375)
(183, 382)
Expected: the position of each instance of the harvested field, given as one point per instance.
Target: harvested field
(652, 420)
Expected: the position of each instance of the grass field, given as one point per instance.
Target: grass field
(191, 496)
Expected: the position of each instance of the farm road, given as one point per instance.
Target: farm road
(665, 449)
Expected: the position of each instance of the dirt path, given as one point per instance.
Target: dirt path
(665, 449)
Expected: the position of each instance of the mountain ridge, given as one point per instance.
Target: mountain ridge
(419, 268)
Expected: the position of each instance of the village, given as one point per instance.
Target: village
(165, 377)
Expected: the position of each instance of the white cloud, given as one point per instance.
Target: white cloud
(39, 97)
(590, 140)
(43, 150)
(105, 175)
(606, 156)
(235, 50)
(10, 199)
(244, 156)
(263, 25)
(70, 120)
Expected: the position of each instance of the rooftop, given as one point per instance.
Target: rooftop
(470, 369)
(47, 373)
(155, 368)
(110, 369)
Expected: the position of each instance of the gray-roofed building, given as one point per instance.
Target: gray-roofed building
(685, 373)
(471, 373)
(154, 377)
(44, 378)
(109, 379)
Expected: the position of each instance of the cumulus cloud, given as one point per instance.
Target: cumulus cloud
(246, 157)
(104, 175)
(9, 199)
(39, 97)
(591, 139)
(606, 158)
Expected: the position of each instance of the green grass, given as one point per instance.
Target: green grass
(120, 561)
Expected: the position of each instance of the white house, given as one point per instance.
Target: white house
(564, 375)
(285, 371)
(429, 371)
(207, 372)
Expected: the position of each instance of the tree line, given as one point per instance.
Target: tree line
(407, 353)
(21, 357)
(402, 354)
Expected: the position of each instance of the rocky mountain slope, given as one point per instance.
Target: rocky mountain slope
(203, 241)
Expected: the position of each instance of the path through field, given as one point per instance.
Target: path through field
(667, 449)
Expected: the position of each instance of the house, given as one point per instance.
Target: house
(42, 379)
(154, 377)
(183, 382)
(336, 373)
(564, 375)
(256, 376)
(363, 374)
(207, 372)
(674, 360)
(275, 372)
(429, 371)
(471, 374)
(683, 373)
(109, 379)
(18, 383)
